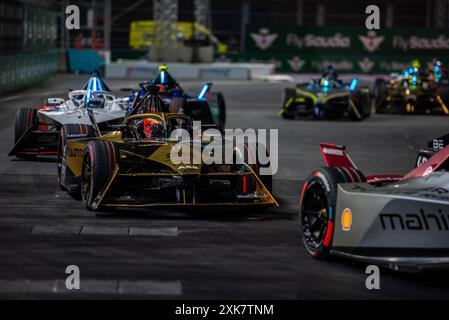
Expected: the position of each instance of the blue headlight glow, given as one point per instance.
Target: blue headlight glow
(353, 84)
(162, 77)
(203, 91)
(325, 83)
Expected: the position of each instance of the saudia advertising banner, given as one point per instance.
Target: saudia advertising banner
(298, 62)
(305, 49)
(347, 40)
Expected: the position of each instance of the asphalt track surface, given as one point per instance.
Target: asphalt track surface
(209, 254)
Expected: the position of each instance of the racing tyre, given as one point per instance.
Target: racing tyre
(99, 162)
(217, 108)
(68, 132)
(318, 113)
(25, 118)
(361, 102)
(423, 156)
(318, 205)
(379, 91)
(177, 105)
(222, 110)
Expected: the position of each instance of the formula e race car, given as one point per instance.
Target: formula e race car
(326, 98)
(415, 91)
(401, 222)
(37, 130)
(207, 106)
(133, 167)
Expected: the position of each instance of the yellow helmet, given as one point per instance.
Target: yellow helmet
(416, 64)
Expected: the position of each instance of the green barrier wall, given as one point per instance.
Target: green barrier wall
(309, 63)
(22, 70)
(349, 50)
(27, 45)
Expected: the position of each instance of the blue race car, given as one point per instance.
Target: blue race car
(208, 107)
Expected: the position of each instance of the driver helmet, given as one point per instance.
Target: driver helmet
(437, 66)
(162, 88)
(152, 128)
(416, 65)
(330, 72)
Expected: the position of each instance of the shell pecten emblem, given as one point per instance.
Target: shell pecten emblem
(346, 219)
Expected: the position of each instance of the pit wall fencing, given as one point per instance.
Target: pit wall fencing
(22, 70)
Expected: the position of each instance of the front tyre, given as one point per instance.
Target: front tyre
(318, 205)
(100, 160)
(359, 105)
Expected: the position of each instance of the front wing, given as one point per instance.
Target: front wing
(303, 103)
(187, 192)
(415, 103)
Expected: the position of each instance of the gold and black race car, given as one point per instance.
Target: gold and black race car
(412, 92)
(133, 165)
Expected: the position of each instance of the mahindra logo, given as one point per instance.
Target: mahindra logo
(422, 221)
(371, 41)
(264, 39)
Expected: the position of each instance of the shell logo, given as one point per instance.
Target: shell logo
(346, 219)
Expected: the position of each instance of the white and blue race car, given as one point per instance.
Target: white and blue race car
(37, 130)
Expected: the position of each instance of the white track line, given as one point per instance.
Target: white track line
(105, 230)
(92, 286)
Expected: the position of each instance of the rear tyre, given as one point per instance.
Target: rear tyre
(177, 105)
(379, 91)
(221, 104)
(222, 110)
(318, 113)
(98, 166)
(361, 102)
(25, 118)
(318, 205)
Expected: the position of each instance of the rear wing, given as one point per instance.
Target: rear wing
(435, 163)
(336, 156)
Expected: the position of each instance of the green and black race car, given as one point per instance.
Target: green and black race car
(327, 98)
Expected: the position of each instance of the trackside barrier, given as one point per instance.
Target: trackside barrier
(212, 71)
(23, 70)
